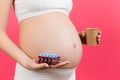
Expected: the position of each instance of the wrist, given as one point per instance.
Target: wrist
(24, 60)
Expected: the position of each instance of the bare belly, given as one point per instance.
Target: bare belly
(51, 33)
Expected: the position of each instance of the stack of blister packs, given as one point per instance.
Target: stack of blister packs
(50, 59)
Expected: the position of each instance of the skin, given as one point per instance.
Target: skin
(21, 53)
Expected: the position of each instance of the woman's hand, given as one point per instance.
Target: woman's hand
(35, 65)
(60, 64)
(82, 36)
(32, 64)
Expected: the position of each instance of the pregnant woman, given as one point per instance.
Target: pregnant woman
(44, 28)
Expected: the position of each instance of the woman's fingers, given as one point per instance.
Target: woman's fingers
(34, 65)
(60, 64)
(45, 65)
(100, 32)
(82, 36)
(99, 37)
(40, 66)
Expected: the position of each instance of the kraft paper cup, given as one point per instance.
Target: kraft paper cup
(91, 34)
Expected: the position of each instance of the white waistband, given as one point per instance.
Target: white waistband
(46, 74)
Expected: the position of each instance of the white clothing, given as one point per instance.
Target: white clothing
(22, 73)
(29, 8)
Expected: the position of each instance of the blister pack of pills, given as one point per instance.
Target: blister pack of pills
(49, 58)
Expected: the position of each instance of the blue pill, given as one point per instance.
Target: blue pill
(49, 56)
(53, 56)
(56, 55)
(46, 55)
(41, 54)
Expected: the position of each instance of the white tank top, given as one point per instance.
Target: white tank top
(29, 8)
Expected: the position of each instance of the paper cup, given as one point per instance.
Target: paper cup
(91, 37)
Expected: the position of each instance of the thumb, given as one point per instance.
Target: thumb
(41, 66)
(82, 34)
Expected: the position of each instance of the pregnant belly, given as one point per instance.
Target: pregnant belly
(44, 34)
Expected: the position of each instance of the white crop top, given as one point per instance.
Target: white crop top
(29, 8)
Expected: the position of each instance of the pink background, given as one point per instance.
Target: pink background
(97, 63)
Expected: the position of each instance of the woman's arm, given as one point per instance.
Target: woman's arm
(10, 48)
(7, 45)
